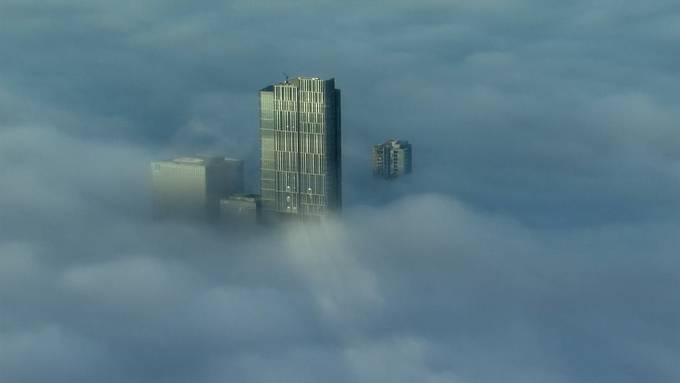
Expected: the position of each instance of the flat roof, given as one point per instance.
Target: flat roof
(197, 160)
(189, 160)
(240, 197)
(289, 80)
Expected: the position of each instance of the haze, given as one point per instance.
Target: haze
(534, 241)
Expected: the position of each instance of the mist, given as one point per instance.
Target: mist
(535, 240)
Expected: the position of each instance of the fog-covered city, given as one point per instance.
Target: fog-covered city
(501, 204)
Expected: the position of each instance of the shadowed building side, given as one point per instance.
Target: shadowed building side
(240, 211)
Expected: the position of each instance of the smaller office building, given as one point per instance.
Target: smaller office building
(240, 210)
(191, 187)
(392, 159)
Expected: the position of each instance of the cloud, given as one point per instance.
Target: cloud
(47, 353)
(534, 242)
(424, 288)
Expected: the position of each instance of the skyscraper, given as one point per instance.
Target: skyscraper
(191, 187)
(301, 173)
(392, 159)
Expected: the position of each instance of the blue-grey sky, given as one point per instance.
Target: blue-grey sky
(534, 242)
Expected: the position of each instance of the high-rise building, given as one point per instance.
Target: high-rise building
(392, 159)
(191, 187)
(301, 173)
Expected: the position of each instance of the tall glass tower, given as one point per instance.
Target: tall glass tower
(300, 148)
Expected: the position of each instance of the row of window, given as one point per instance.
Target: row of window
(312, 85)
(294, 142)
(317, 118)
(286, 120)
(317, 97)
(286, 141)
(283, 92)
(286, 182)
(288, 161)
(313, 143)
(313, 184)
(312, 127)
(290, 106)
(311, 90)
(312, 107)
(312, 163)
(308, 204)
(285, 105)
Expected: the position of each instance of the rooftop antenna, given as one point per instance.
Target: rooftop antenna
(286, 75)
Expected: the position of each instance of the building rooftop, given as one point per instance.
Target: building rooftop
(199, 160)
(189, 160)
(241, 197)
(301, 78)
(395, 143)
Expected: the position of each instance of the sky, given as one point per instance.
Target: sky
(534, 241)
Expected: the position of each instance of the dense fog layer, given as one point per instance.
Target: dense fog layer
(535, 241)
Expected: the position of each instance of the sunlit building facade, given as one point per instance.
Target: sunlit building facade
(300, 136)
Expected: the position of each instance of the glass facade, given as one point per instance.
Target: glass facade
(300, 139)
